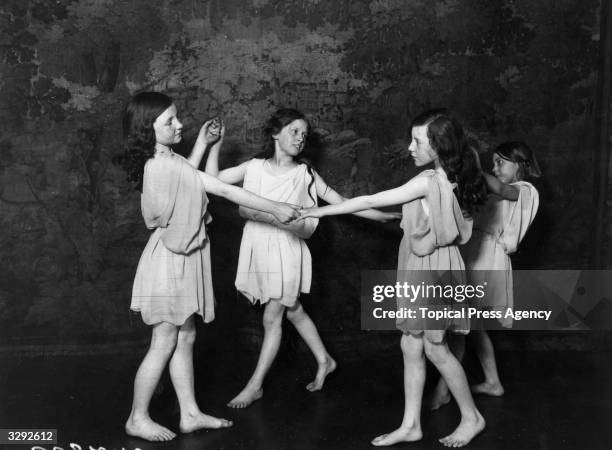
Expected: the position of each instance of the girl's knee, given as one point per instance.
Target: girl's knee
(164, 338)
(272, 319)
(436, 352)
(186, 336)
(412, 346)
(296, 313)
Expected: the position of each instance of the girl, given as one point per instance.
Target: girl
(173, 281)
(436, 204)
(499, 227)
(274, 265)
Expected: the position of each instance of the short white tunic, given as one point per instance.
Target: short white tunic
(274, 263)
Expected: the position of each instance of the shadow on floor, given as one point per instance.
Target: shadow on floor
(554, 400)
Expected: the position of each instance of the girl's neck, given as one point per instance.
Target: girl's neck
(161, 148)
(282, 160)
(438, 167)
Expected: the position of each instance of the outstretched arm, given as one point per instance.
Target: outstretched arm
(415, 188)
(303, 229)
(282, 211)
(332, 197)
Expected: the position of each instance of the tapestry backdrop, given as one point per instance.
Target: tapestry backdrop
(72, 231)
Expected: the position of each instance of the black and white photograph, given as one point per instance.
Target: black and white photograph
(305, 224)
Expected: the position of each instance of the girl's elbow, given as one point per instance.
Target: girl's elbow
(226, 192)
(220, 189)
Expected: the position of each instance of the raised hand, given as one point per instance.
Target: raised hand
(217, 128)
(212, 131)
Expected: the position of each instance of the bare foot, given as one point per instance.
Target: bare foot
(247, 396)
(399, 435)
(438, 400)
(322, 371)
(494, 389)
(145, 428)
(191, 423)
(464, 433)
(441, 396)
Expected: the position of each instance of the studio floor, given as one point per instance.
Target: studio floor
(554, 400)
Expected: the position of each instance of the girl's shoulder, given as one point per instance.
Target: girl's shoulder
(306, 166)
(159, 160)
(434, 177)
(255, 162)
(525, 185)
(297, 170)
(166, 162)
(167, 157)
(426, 173)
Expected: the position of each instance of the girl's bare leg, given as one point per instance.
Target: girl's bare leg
(272, 322)
(450, 368)
(441, 395)
(307, 329)
(486, 354)
(181, 373)
(414, 382)
(139, 423)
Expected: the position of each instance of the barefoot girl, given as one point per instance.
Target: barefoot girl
(274, 264)
(434, 221)
(499, 227)
(173, 281)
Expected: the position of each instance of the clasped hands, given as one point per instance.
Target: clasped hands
(288, 212)
(212, 131)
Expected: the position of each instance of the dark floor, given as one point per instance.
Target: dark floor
(554, 401)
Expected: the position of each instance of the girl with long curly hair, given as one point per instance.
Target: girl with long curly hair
(437, 204)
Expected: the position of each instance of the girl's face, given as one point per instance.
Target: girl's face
(292, 137)
(504, 170)
(419, 148)
(168, 128)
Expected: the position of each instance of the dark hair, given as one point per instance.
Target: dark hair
(138, 134)
(447, 138)
(520, 153)
(279, 120)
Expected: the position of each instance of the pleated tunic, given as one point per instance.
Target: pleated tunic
(173, 279)
(434, 226)
(274, 263)
(499, 227)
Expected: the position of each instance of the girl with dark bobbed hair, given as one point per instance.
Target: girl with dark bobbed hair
(437, 205)
(173, 281)
(499, 227)
(274, 265)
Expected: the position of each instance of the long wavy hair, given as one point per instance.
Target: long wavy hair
(520, 153)
(138, 134)
(448, 140)
(279, 120)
